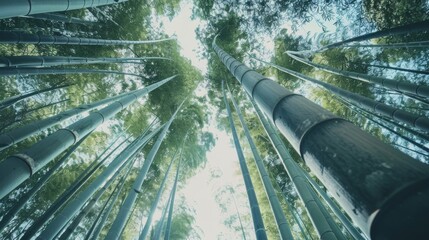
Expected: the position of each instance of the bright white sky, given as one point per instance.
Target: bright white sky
(200, 190)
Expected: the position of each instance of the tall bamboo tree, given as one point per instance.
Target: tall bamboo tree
(155, 202)
(418, 121)
(17, 168)
(171, 207)
(124, 212)
(282, 224)
(70, 191)
(40, 183)
(60, 18)
(258, 223)
(91, 203)
(406, 29)
(316, 212)
(61, 219)
(50, 61)
(15, 99)
(406, 87)
(160, 225)
(15, 37)
(29, 7)
(341, 155)
(11, 71)
(14, 136)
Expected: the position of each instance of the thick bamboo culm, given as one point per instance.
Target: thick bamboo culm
(375, 184)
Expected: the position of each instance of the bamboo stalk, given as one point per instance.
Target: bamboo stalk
(258, 223)
(280, 218)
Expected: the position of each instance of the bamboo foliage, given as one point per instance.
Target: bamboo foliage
(280, 218)
(14, 136)
(341, 155)
(258, 223)
(15, 37)
(29, 7)
(125, 210)
(61, 219)
(17, 168)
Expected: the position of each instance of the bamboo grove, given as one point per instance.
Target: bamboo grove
(98, 150)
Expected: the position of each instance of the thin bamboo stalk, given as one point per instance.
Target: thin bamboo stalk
(418, 121)
(10, 71)
(17, 135)
(25, 198)
(15, 99)
(70, 191)
(88, 207)
(410, 28)
(124, 212)
(50, 61)
(155, 202)
(405, 87)
(29, 7)
(60, 18)
(375, 183)
(17, 168)
(171, 208)
(280, 218)
(16, 37)
(61, 219)
(258, 223)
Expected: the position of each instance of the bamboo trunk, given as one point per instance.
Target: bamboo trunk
(258, 223)
(11, 71)
(69, 192)
(61, 219)
(50, 61)
(29, 7)
(171, 207)
(17, 168)
(280, 218)
(125, 210)
(406, 87)
(24, 199)
(155, 202)
(380, 187)
(19, 134)
(316, 212)
(12, 100)
(417, 121)
(15, 37)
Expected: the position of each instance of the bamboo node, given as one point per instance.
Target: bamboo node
(28, 160)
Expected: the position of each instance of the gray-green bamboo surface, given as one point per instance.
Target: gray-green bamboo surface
(17, 135)
(258, 223)
(70, 210)
(282, 223)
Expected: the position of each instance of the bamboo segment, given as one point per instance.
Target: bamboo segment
(258, 223)
(377, 185)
